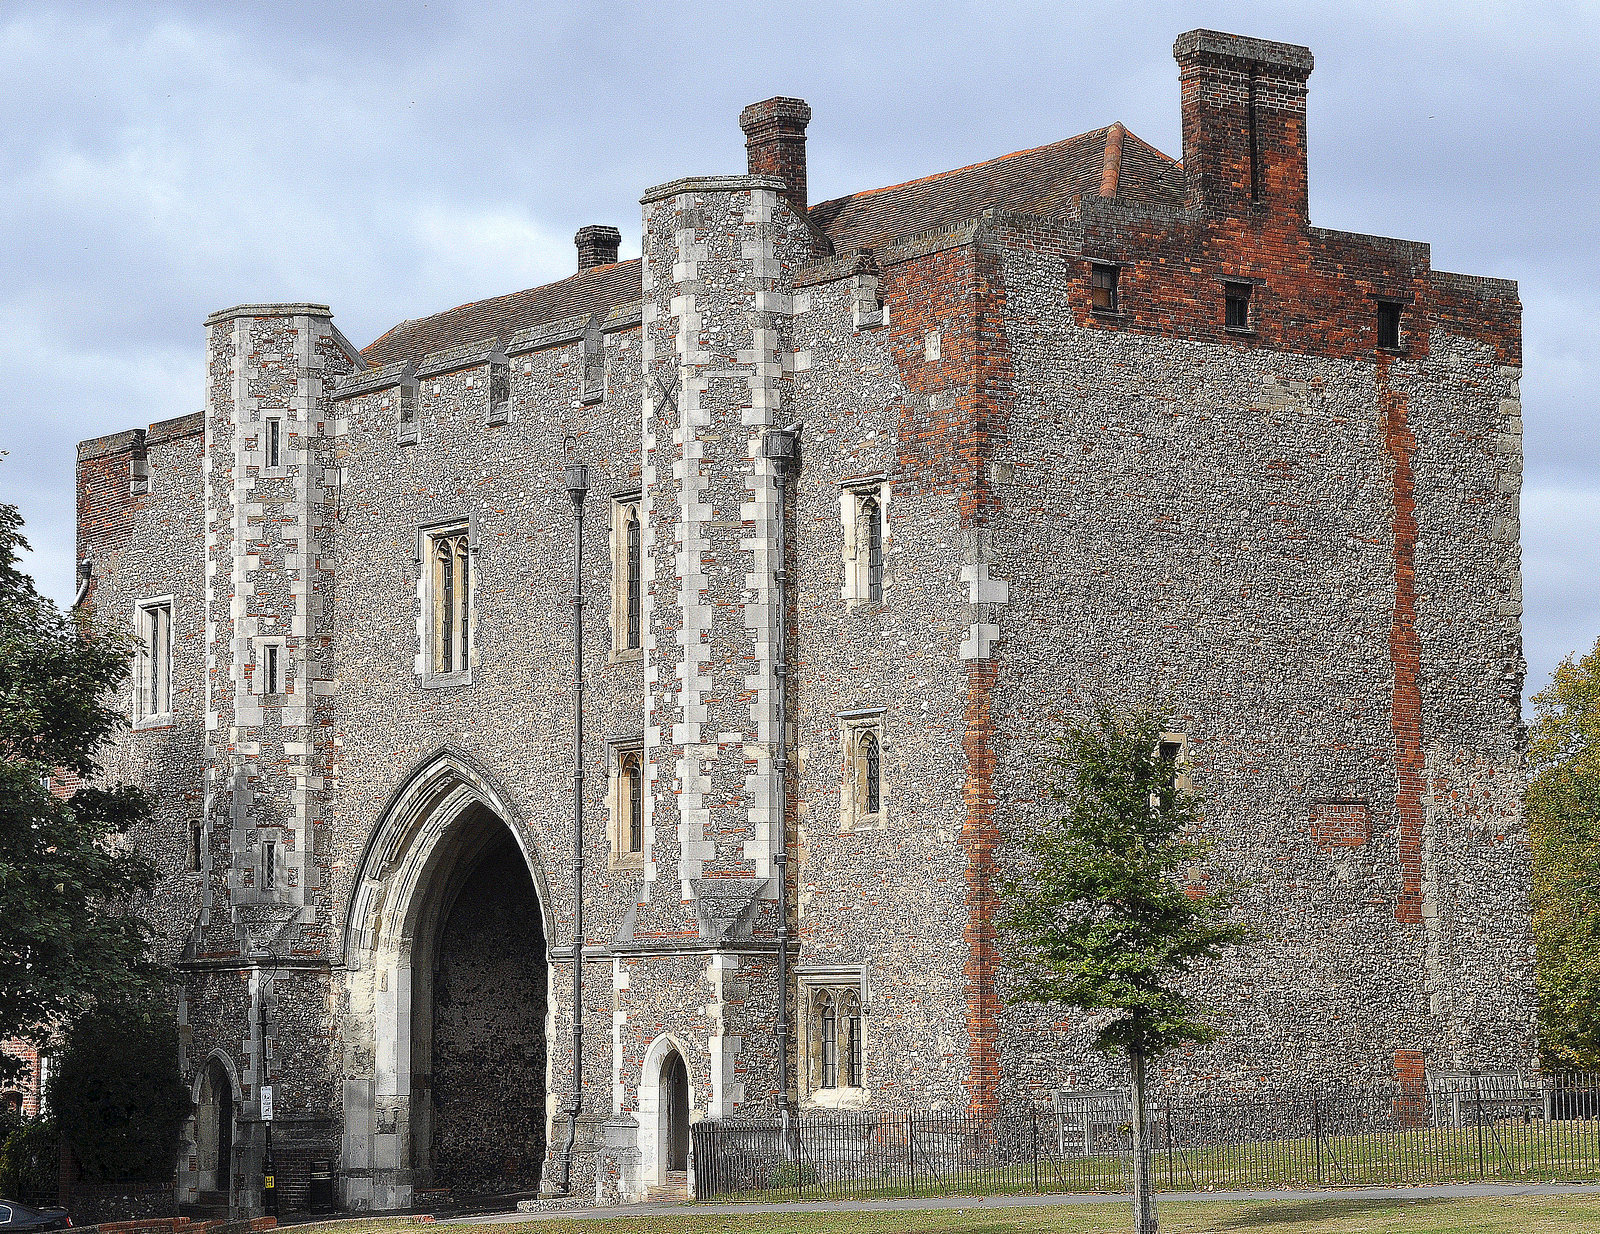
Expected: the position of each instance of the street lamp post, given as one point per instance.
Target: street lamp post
(577, 489)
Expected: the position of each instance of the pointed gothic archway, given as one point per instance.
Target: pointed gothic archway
(447, 979)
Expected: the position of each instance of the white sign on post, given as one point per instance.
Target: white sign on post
(266, 1103)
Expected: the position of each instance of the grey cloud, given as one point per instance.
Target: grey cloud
(158, 161)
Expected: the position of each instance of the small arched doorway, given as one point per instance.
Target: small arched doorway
(675, 1099)
(214, 1135)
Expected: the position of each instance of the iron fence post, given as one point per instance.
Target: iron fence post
(1169, 1143)
(1477, 1102)
(1036, 1187)
(911, 1151)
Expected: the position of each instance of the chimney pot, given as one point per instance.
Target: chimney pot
(597, 245)
(775, 143)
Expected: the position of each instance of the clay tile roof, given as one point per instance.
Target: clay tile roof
(1044, 181)
(596, 290)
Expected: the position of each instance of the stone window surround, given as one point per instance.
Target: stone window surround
(1181, 740)
(142, 662)
(616, 803)
(426, 534)
(854, 492)
(620, 502)
(258, 675)
(852, 815)
(811, 979)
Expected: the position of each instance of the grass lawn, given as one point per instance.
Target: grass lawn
(1508, 1215)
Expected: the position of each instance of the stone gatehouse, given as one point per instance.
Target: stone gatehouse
(876, 490)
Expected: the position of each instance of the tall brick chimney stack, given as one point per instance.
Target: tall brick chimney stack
(775, 141)
(1244, 122)
(597, 245)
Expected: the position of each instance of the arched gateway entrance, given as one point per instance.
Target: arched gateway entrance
(448, 979)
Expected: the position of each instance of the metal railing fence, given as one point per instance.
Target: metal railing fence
(1452, 1129)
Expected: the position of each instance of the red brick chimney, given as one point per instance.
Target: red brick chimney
(775, 140)
(597, 245)
(1244, 122)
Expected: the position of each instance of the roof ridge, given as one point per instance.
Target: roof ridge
(939, 175)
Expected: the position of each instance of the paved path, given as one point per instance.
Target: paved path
(1459, 1191)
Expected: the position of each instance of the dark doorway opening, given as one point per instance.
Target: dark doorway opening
(480, 1050)
(214, 1136)
(675, 1091)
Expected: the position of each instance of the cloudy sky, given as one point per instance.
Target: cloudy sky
(161, 160)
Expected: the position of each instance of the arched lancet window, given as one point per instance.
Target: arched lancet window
(850, 1039)
(828, 1024)
(451, 591)
(871, 523)
(635, 579)
(633, 790)
(871, 773)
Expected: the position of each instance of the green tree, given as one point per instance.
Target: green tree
(118, 1098)
(1097, 918)
(1564, 821)
(68, 885)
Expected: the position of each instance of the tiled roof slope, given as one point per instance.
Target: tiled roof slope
(1044, 181)
(596, 290)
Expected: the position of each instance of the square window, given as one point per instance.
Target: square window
(1389, 324)
(152, 693)
(832, 1064)
(1103, 288)
(1237, 306)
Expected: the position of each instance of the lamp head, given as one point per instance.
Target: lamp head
(577, 483)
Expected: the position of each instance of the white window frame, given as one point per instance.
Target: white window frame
(856, 588)
(145, 661)
(836, 980)
(428, 536)
(622, 858)
(853, 795)
(621, 503)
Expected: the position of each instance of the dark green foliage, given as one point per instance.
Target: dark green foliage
(1097, 918)
(68, 884)
(1564, 820)
(30, 1163)
(118, 1097)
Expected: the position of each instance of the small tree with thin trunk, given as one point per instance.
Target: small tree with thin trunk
(1097, 917)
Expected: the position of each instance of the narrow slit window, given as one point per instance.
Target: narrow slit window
(635, 596)
(872, 528)
(196, 843)
(1103, 288)
(269, 866)
(270, 681)
(871, 774)
(633, 800)
(1389, 324)
(274, 443)
(1237, 301)
(830, 1040)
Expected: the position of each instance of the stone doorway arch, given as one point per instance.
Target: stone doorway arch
(447, 981)
(666, 1109)
(213, 1132)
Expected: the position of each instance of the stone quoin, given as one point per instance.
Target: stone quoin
(1082, 422)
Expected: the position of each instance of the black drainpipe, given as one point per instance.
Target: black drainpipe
(577, 488)
(782, 447)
